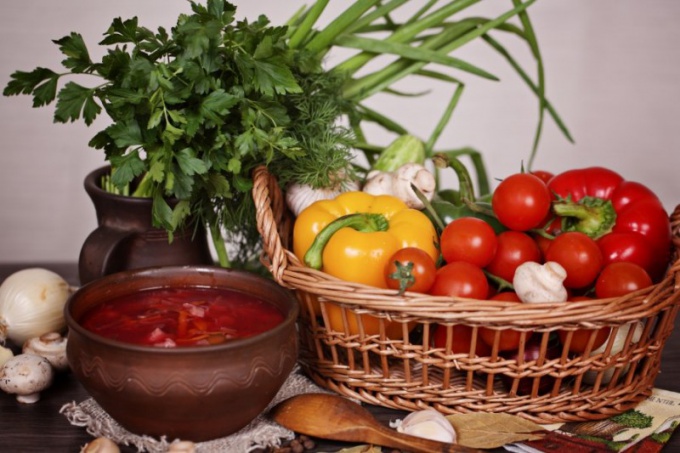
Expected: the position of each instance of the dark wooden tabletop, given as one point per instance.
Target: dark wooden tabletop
(39, 427)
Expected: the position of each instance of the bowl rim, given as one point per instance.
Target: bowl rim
(158, 272)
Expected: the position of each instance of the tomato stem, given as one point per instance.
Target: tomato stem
(501, 283)
(404, 275)
(362, 222)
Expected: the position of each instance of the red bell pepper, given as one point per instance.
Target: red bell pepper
(626, 218)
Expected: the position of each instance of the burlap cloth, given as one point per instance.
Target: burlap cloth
(260, 433)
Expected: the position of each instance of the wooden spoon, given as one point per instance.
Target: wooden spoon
(334, 417)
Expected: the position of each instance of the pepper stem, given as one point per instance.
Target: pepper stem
(362, 222)
(592, 216)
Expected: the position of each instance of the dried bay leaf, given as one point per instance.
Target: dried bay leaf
(361, 449)
(490, 430)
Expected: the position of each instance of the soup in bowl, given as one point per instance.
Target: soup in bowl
(190, 352)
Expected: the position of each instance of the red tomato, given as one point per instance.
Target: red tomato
(581, 337)
(460, 279)
(618, 279)
(579, 255)
(543, 244)
(468, 239)
(509, 339)
(521, 201)
(410, 269)
(514, 248)
(543, 175)
(460, 340)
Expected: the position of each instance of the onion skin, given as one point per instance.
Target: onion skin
(32, 303)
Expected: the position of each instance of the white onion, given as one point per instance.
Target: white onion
(32, 303)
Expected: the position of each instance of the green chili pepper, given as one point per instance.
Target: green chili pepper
(442, 211)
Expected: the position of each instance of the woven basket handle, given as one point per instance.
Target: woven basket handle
(272, 224)
(675, 230)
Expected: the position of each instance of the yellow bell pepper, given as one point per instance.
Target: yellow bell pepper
(353, 236)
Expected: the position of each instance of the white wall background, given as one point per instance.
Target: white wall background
(612, 67)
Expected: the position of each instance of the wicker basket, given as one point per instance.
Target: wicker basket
(407, 372)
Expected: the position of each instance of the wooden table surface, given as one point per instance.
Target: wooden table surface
(39, 427)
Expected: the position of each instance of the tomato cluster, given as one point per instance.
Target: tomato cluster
(610, 235)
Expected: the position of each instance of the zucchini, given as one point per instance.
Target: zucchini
(403, 150)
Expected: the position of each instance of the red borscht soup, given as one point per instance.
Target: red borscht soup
(182, 317)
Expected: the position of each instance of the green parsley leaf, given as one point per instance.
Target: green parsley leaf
(189, 164)
(126, 168)
(70, 103)
(73, 46)
(22, 82)
(217, 104)
(125, 133)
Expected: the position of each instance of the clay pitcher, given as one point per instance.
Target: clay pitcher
(125, 238)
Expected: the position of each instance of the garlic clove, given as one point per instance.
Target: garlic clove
(101, 445)
(428, 424)
(182, 446)
(26, 375)
(51, 346)
(5, 355)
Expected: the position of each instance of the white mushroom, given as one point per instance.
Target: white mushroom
(100, 445)
(428, 424)
(398, 183)
(51, 346)
(5, 355)
(536, 282)
(26, 375)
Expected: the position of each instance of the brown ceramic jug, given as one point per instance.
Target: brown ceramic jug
(125, 238)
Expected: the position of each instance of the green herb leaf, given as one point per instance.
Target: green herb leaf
(217, 104)
(125, 133)
(121, 32)
(189, 164)
(126, 168)
(74, 99)
(22, 82)
(78, 58)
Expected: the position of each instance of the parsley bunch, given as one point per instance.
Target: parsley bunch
(196, 109)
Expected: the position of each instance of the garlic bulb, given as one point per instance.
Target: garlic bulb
(398, 183)
(299, 196)
(428, 424)
(32, 303)
(590, 377)
(534, 282)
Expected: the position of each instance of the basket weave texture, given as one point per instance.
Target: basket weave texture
(405, 371)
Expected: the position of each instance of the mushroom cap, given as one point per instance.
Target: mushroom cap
(26, 375)
(51, 346)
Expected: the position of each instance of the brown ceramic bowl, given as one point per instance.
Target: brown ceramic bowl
(193, 393)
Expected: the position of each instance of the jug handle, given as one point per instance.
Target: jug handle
(98, 253)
